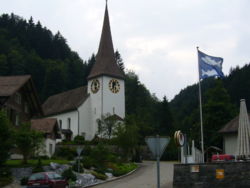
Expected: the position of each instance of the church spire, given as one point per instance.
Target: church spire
(105, 58)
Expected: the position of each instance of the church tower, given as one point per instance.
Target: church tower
(106, 80)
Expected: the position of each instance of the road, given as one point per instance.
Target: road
(144, 177)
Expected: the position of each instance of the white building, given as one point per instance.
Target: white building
(230, 136)
(77, 110)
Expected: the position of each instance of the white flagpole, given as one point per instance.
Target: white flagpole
(201, 120)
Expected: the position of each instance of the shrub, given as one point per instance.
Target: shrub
(87, 162)
(79, 140)
(65, 152)
(99, 175)
(69, 175)
(38, 167)
(87, 150)
(5, 176)
(121, 169)
(24, 181)
(75, 167)
(99, 155)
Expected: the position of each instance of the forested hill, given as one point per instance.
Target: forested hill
(29, 48)
(220, 99)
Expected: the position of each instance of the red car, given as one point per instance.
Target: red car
(222, 157)
(47, 180)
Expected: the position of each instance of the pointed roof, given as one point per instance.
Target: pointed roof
(105, 58)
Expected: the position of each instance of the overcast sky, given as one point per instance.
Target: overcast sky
(156, 38)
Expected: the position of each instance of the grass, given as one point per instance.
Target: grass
(33, 162)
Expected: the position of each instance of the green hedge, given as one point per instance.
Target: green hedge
(99, 175)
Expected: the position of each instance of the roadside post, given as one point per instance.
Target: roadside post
(79, 151)
(157, 145)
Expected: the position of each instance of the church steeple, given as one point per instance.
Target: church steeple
(105, 58)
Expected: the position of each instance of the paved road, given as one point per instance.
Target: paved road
(144, 177)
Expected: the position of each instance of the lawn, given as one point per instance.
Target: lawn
(33, 162)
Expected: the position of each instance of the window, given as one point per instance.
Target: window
(37, 177)
(18, 98)
(60, 123)
(26, 108)
(69, 123)
(50, 149)
(17, 119)
(113, 110)
(95, 111)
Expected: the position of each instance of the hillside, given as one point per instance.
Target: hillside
(29, 48)
(185, 105)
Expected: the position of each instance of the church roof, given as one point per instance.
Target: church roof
(105, 58)
(231, 126)
(66, 101)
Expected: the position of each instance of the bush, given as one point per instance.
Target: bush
(38, 167)
(75, 167)
(24, 181)
(5, 176)
(87, 150)
(69, 175)
(87, 162)
(99, 155)
(79, 140)
(65, 153)
(5, 181)
(99, 175)
(121, 169)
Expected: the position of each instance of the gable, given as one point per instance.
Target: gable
(22, 85)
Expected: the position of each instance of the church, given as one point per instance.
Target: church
(77, 110)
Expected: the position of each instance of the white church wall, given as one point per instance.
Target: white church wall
(230, 144)
(64, 119)
(86, 128)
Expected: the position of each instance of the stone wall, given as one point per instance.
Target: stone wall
(212, 175)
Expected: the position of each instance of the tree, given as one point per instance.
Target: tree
(28, 142)
(106, 125)
(127, 137)
(165, 126)
(217, 111)
(5, 137)
(119, 60)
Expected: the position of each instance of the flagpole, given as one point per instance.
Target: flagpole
(201, 120)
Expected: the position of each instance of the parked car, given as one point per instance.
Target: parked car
(222, 157)
(47, 180)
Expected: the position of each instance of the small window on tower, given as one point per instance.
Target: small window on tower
(113, 110)
(95, 111)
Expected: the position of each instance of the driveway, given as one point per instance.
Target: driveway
(144, 177)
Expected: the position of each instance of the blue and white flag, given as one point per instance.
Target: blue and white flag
(209, 66)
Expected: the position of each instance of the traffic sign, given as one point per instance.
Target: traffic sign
(157, 145)
(79, 150)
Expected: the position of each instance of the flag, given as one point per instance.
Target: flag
(209, 66)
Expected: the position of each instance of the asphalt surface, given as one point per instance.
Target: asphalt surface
(144, 177)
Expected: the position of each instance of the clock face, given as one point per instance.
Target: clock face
(114, 86)
(95, 85)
